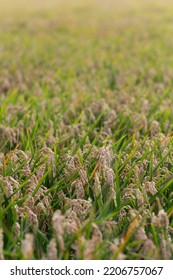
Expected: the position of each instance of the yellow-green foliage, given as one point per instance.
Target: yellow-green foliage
(86, 123)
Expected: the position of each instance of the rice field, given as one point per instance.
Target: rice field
(86, 129)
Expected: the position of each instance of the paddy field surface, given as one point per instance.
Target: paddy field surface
(86, 129)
